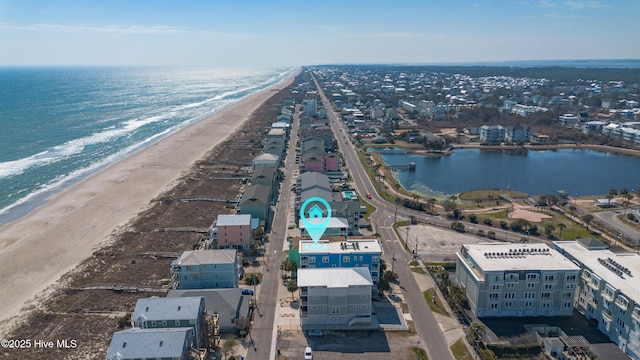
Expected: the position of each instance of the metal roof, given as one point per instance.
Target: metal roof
(138, 343)
(334, 277)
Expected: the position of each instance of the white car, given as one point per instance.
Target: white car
(308, 353)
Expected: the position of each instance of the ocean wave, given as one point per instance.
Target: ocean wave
(74, 147)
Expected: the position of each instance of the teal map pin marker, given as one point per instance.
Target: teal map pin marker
(315, 224)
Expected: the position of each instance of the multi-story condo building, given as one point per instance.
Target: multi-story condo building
(608, 290)
(516, 280)
(517, 134)
(160, 312)
(206, 269)
(336, 298)
(493, 133)
(361, 253)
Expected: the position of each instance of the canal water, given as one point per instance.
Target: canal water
(577, 171)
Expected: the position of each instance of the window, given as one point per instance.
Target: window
(512, 278)
(622, 301)
(571, 278)
(567, 295)
(608, 291)
(636, 311)
(312, 259)
(153, 324)
(177, 322)
(375, 259)
(335, 310)
(546, 304)
(511, 285)
(549, 278)
(493, 305)
(493, 296)
(325, 259)
(545, 295)
(361, 258)
(531, 285)
(548, 286)
(496, 278)
(509, 295)
(528, 304)
(532, 277)
(496, 287)
(508, 304)
(567, 304)
(570, 286)
(346, 258)
(529, 295)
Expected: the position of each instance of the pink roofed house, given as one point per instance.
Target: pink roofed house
(331, 162)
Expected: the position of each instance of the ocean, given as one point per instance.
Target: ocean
(60, 124)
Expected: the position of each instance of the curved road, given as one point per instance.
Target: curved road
(382, 219)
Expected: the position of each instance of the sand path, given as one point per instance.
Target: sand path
(36, 250)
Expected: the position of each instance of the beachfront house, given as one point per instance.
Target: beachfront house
(151, 344)
(160, 312)
(493, 133)
(268, 177)
(206, 269)
(268, 160)
(335, 298)
(255, 201)
(231, 305)
(233, 231)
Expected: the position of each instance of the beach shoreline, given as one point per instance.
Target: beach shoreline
(40, 247)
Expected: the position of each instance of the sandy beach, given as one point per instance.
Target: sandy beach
(36, 250)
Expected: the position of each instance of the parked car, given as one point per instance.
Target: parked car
(308, 353)
(247, 292)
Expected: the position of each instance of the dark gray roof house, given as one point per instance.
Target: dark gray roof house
(165, 343)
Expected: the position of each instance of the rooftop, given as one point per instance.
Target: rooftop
(335, 277)
(234, 220)
(162, 308)
(367, 246)
(604, 262)
(505, 257)
(216, 256)
(148, 343)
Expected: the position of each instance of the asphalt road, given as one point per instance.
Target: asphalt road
(382, 220)
(262, 333)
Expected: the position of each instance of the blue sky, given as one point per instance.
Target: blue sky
(283, 32)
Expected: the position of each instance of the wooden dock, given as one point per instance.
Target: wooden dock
(403, 167)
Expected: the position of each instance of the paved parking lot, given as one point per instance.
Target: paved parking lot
(437, 244)
(369, 345)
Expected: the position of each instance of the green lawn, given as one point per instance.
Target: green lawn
(437, 307)
(460, 351)
(370, 208)
(420, 353)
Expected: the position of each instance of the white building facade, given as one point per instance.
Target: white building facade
(336, 298)
(608, 290)
(516, 280)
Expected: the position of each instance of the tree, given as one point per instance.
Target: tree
(572, 210)
(389, 276)
(228, 347)
(431, 204)
(457, 226)
(587, 219)
(288, 265)
(612, 193)
(491, 234)
(549, 229)
(292, 286)
(561, 226)
(449, 206)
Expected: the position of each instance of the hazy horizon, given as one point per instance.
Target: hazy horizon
(288, 33)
